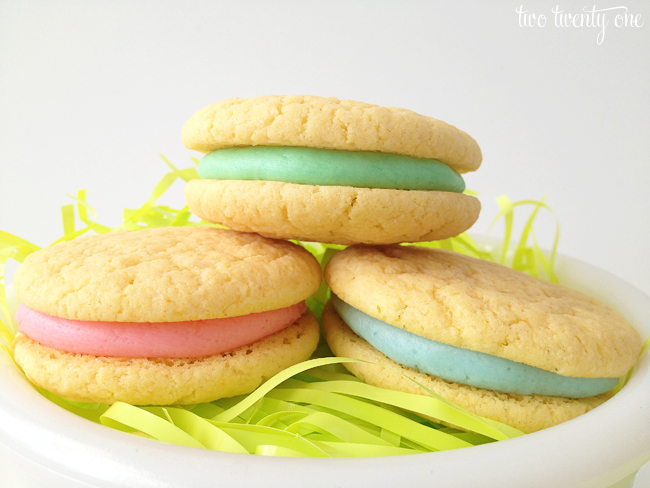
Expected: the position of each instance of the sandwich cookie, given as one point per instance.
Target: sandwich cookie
(493, 340)
(174, 315)
(337, 171)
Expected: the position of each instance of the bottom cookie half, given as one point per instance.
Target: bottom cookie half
(333, 214)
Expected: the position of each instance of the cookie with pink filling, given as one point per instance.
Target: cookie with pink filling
(175, 315)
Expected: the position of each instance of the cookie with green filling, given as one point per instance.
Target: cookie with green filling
(495, 341)
(338, 171)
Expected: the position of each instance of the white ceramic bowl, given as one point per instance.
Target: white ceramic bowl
(42, 445)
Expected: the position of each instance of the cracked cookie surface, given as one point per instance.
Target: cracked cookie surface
(328, 123)
(334, 214)
(483, 306)
(166, 274)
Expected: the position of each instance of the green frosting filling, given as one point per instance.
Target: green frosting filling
(462, 365)
(327, 167)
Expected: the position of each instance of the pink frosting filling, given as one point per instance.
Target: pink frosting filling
(190, 339)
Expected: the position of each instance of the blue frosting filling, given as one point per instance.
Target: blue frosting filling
(462, 365)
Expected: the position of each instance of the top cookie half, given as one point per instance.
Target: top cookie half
(167, 274)
(485, 307)
(329, 123)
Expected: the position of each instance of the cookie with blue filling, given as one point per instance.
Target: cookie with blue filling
(497, 342)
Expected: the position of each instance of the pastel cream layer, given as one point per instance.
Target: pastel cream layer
(329, 167)
(463, 365)
(188, 339)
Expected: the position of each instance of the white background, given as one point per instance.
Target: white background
(92, 91)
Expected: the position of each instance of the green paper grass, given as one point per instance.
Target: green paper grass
(315, 408)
